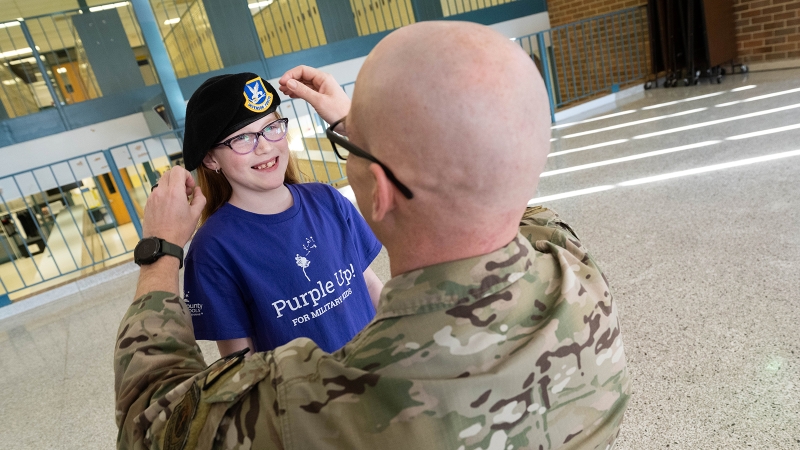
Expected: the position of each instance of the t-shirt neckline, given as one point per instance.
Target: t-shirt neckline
(269, 218)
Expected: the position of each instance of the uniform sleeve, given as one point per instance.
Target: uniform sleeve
(166, 397)
(218, 307)
(155, 357)
(367, 245)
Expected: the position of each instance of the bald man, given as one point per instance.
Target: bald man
(491, 334)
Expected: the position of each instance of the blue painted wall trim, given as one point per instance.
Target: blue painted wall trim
(48, 122)
(26, 128)
(501, 13)
(110, 107)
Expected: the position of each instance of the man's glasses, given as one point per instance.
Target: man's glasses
(338, 139)
(246, 142)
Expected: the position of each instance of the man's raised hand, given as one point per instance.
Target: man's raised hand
(319, 89)
(169, 214)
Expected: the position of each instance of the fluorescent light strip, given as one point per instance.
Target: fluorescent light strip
(743, 88)
(636, 122)
(763, 132)
(553, 139)
(718, 121)
(13, 23)
(111, 6)
(588, 147)
(547, 198)
(690, 99)
(760, 97)
(666, 176)
(172, 21)
(628, 158)
(608, 116)
(22, 51)
(728, 165)
(260, 4)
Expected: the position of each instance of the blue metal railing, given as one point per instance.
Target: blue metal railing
(66, 219)
(582, 59)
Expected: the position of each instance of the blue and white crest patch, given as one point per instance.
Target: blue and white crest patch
(257, 98)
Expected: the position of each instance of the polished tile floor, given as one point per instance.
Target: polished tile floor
(688, 198)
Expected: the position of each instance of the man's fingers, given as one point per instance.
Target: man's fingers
(198, 202)
(301, 90)
(304, 74)
(163, 182)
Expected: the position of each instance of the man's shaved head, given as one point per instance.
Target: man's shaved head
(460, 114)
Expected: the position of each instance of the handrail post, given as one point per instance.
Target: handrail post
(544, 56)
(123, 191)
(158, 52)
(27, 33)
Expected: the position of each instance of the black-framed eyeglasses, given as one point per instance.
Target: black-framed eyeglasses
(247, 142)
(338, 139)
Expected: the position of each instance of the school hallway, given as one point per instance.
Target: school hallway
(689, 199)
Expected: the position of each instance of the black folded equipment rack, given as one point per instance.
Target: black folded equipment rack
(690, 40)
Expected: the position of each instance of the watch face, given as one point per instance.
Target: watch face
(147, 248)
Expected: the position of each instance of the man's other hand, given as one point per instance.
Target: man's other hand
(169, 213)
(319, 89)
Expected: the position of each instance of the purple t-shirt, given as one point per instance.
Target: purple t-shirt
(276, 277)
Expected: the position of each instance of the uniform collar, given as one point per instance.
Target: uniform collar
(463, 281)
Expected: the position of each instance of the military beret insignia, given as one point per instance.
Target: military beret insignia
(256, 96)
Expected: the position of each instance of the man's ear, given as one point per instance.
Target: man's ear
(210, 162)
(383, 192)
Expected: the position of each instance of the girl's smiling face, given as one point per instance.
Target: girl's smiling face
(261, 170)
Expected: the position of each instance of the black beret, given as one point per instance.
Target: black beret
(219, 107)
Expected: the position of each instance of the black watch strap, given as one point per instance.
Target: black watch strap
(173, 250)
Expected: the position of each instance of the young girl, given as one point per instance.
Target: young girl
(273, 259)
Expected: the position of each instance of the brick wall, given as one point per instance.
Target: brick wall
(767, 30)
(591, 57)
(567, 11)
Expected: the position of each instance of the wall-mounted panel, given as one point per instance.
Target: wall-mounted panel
(108, 50)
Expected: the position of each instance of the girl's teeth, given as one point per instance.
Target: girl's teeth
(267, 165)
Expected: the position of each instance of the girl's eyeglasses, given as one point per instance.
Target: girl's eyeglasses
(245, 143)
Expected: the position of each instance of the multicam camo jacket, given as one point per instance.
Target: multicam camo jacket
(517, 349)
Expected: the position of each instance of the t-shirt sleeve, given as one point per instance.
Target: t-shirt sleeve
(366, 243)
(219, 311)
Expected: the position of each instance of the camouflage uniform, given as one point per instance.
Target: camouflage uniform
(519, 348)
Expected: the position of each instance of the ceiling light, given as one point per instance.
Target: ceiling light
(22, 51)
(263, 4)
(14, 23)
(110, 6)
(172, 21)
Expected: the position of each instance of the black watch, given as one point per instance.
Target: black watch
(149, 249)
